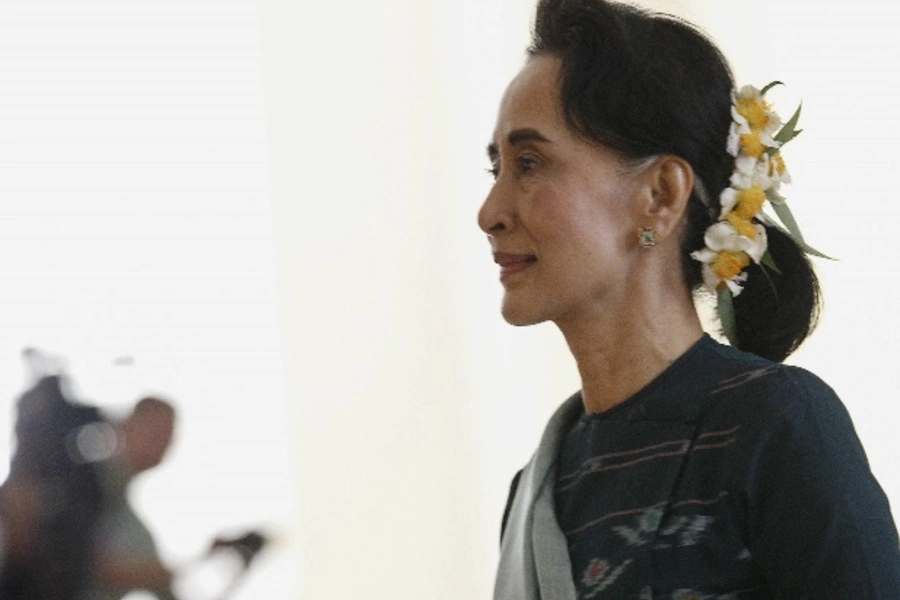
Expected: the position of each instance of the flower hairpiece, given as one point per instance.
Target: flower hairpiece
(738, 238)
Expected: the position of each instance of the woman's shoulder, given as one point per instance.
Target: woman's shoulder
(739, 376)
(795, 463)
(788, 428)
(757, 390)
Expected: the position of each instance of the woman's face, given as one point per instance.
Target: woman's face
(560, 216)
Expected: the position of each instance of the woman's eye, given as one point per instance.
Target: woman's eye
(526, 163)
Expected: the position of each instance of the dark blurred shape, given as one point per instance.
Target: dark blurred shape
(67, 528)
(125, 555)
(53, 494)
(246, 546)
(219, 573)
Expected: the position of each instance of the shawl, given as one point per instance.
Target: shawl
(534, 555)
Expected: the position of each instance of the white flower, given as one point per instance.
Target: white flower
(777, 170)
(728, 199)
(762, 173)
(751, 94)
(758, 173)
(711, 279)
(747, 172)
(737, 129)
(751, 114)
(722, 236)
(749, 91)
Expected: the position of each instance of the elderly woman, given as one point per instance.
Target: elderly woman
(629, 173)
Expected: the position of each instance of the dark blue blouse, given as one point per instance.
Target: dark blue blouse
(728, 477)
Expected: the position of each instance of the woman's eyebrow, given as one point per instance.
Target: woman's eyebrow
(517, 136)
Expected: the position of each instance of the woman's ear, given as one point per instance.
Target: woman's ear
(668, 184)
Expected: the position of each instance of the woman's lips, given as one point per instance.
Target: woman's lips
(510, 263)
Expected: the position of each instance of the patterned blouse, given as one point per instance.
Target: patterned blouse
(726, 478)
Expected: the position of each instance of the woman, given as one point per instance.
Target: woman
(628, 175)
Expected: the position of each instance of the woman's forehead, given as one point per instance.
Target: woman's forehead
(531, 99)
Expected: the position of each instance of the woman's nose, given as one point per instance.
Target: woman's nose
(494, 216)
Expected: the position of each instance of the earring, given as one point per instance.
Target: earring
(647, 237)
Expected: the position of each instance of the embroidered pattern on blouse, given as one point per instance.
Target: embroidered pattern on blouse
(712, 440)
(599, 575)
(743, 378)
(647, 594)
(693, 595)
(671, 526)
(681, 531)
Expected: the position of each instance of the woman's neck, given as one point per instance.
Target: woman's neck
(620, 354)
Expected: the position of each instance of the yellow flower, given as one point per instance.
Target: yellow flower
(726, 254)
(728, 265)
(750, 202)
(741, 224)
(777, 168)
(738, 238)
(755, 110)
(752, 145)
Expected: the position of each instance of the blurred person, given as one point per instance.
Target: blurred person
(67, 529)
(51, 500)
(19, 518)
(125, 556)
(630, 172)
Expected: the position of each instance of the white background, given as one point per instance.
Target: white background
(135, 221)
(271, 207)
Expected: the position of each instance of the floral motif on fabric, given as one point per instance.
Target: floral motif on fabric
(599, 575)
(644, 530)
(681, 531)
(693, 595)
(685, 531)
(647, 594)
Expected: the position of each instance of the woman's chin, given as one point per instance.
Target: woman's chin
(519, 314)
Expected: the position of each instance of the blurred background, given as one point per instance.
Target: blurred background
(265, 211)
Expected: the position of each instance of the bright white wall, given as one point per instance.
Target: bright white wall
(135, 221)
(413, 402)
(379, 114)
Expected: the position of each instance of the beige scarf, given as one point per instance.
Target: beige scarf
(534, 557)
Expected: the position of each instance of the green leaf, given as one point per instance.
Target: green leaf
(784, 213)
(791, 228)
(774, 197)
(789, 130)
(769, 262)
(810, 250)
(763, 91)
(725, 305)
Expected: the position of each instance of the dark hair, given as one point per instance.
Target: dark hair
(644, 83)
